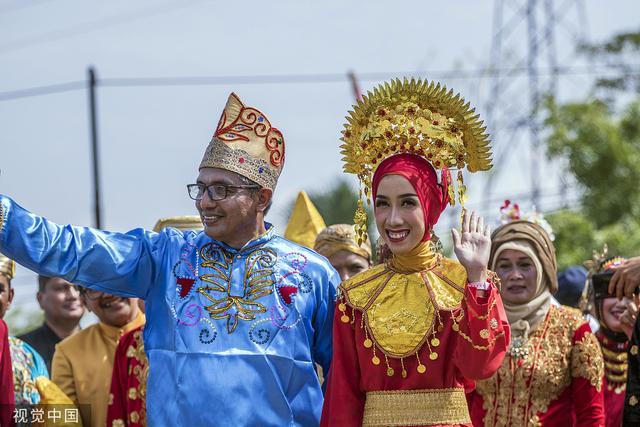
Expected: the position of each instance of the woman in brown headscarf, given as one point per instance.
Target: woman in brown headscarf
(552, 374)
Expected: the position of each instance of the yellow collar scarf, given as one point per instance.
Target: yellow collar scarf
(420, 258)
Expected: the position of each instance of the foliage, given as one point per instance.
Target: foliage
(602, 147)
(603, 152)
(616, 52)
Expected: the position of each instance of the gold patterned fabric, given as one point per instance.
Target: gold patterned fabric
(400, 310)
(7, 267)
(521, 390)
(415, 407)
(245, 142)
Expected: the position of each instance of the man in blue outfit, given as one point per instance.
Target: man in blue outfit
(236, 315)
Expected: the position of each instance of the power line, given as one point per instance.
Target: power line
(22, 5)
(310, 78)
(86, 27)
(42, 90)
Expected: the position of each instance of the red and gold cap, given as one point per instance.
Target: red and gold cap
(245, 142)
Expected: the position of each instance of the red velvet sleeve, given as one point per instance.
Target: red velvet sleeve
(344, 400)
(483, 333)
(7, 398)
(117, 406)
(587, 371)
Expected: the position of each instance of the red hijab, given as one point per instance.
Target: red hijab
(423, 178)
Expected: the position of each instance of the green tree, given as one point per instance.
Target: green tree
(601, 143)
(603, 151)
(337, 204)
(575, 237)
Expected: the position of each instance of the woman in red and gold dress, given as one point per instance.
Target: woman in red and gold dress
(552, 374)
(411, 334)
(616, 318)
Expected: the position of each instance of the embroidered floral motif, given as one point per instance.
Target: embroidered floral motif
(23, 364)
(521, 389)
(586, 360)
(258, 282)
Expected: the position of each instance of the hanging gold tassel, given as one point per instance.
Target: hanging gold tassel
(462, 194)
(360, 223)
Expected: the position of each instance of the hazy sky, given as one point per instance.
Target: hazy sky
(152, 138)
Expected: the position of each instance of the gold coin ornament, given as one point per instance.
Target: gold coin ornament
(455, 327)
(421, 369)
(390, 372)
(368, 343)
(435, 342)
(342, 307)
(404, 374)
(344, 318)
(433, 356)
(375, 360)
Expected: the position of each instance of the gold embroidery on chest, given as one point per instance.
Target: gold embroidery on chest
(400, 310)
(518, 391)
(258, 282)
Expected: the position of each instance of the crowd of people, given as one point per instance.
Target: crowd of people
(216, 319)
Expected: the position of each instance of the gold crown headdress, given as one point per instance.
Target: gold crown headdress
(183, 223)
(417, 117)
(245, 142)
(7, 267)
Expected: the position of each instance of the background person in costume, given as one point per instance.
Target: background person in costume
(7, 397)
(338, 243)
(60, 301)
(26, 363)
(83, 362)
(552, 374)
(410, 334)
(128, 391)
(237, 315)
(613, 334)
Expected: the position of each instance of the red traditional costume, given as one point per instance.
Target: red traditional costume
(129, 382)
(411, 335)
(552, 374)
(614, 344)
(7, 399)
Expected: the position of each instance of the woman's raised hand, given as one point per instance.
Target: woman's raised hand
(472, 246)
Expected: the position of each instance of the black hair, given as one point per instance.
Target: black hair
(42, 282)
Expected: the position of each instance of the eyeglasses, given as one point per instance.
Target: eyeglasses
(215, 191)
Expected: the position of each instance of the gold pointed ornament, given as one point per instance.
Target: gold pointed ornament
(183, 223)
(305, 222)
(416, 117)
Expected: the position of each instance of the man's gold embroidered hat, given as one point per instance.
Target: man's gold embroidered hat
(245, 142)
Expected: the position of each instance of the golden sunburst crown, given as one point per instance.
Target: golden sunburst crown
(414, 116)
(418, 117)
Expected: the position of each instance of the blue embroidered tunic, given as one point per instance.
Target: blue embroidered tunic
(232, 336)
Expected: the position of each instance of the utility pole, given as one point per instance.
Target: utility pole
(95, 155)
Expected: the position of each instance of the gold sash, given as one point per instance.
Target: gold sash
(416, 407)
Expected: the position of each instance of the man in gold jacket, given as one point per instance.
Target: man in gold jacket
(82, 363)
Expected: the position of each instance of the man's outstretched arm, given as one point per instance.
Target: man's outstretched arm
(117, 263)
